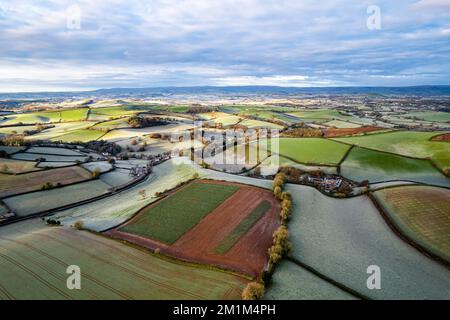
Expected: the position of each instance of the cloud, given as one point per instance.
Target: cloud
(177, 42)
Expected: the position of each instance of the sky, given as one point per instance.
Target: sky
(63, 45)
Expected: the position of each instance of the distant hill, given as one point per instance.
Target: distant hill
(420, 91)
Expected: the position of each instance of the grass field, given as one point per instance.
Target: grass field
(10, 150)
(341, 124)
(431, 116)
(55, 151)
(60, 129)
(253, 124)
(33, 266)
(414, 144)
(74, 114)
(422, 213)
(17, 129)
(32, 118)
(82, 135)
(340, 238)
(291, 282)
(312, 150)
(169, 219)
(116, 209)
(13, 184)
(321, 114)
(245, 225)
(116, 178)
(16, 166)
(27, 204)
(363, 164)
(113, 124)
(28, 156)
(227, 120)
(116, 111)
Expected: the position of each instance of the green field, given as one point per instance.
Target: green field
(33, 266)
(431, 116)
(422, 213)
(17, 130)
(241, 229)
(113, 111)
(60, 129)
(82, 135)
(34, 117)
(364, 164)
(269, 114)
(74, 114)
(321, 114)
(113, 124)
(341, 124)
(312, 150)
(172, 217)
(116, 209)
(408, 143)
(253, 124)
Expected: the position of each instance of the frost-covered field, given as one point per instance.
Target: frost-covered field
(102, 166)
(33, 156)
(55, 151)
(292, 282)
(28, 204)
(341, 238)
(114, 210)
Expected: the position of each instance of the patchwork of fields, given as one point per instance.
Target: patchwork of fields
(231, 228)
(11, 185)
(413, 144)
(375, 166)
(341, 238)
(200, 229)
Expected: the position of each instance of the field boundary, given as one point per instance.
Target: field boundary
(399, 155)
(45, 213)
(328, 279)
(396, 229)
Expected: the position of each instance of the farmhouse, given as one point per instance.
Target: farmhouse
(326, 183)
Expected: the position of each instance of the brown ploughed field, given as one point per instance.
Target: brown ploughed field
(248, 255)
(341, 132)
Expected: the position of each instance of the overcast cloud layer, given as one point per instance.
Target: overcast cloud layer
(221, 42)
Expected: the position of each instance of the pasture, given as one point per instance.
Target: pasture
(14, 184)
(60, 129)
(74, 114)
(31, 203)
(340, 238)
(408, 143)
(33, 118)
(81, 135)
(364, 164)
(313, 151)
(292, 282)
(28, 156)
(16, 166)
(254, 124)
